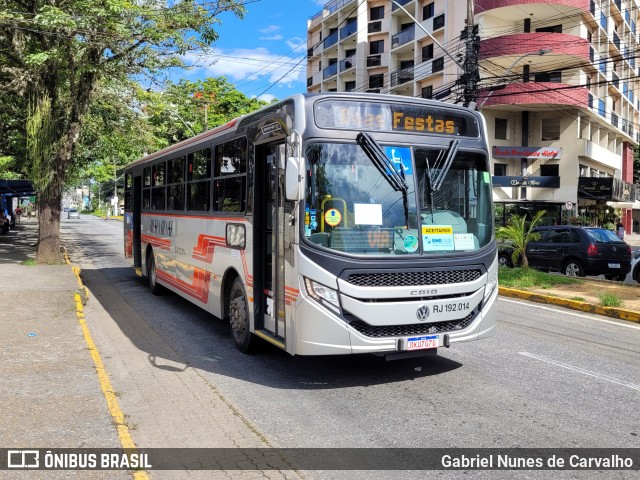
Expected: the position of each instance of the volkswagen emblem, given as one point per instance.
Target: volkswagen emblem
(423, 312)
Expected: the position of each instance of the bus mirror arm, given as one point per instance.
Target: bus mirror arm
(293, 179)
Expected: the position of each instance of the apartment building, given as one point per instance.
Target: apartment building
(559, 89)
(563, 110)
(374, 46)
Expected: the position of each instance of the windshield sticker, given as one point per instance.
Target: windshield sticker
(367, 213)
(411, 244)
(464, 241)
(332, 217)
(401, 159)
(486, 177)
(437, 238)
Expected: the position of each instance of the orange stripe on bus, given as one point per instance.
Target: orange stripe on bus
(198, 288)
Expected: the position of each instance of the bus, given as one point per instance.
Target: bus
(326, 224)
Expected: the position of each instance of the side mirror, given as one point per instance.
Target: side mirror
(293, 179)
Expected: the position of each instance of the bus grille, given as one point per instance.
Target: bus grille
(410, 279)
(413, 329)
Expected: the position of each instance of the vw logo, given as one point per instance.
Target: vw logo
(423, 312)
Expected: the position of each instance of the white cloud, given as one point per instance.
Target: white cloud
(270, 29)
(259, 66)
(297, 44)
(267, 97)
(271, 38)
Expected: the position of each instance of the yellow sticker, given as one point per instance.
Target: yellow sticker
(332, 217)
(437, 230)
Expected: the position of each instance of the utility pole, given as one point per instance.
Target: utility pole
(471, 76)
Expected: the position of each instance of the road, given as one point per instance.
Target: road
(549, 378)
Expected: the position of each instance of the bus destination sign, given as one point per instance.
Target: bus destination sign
(394, 118)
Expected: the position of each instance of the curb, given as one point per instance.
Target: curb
(619, 313)
(118, 417)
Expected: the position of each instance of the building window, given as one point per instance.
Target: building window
(549, 170)
(437, 65)
(550, 129)
(552, 29)
(375, 47)
(438, 22)
(349, 86)
(428, 11)
(376, 13)
(501, 129)
(427, 92)
(584, 171)
(376, 81)
(427, 52)
(499, 169)
(553, 77)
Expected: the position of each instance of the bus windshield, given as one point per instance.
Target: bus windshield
(355, 206)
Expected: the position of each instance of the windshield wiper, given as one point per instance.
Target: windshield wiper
(386, 168)
(443, 164)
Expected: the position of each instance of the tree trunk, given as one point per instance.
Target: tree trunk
(48, 250)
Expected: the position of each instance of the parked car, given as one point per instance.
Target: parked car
(577, 251)
(73, 213)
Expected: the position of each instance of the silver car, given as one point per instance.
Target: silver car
(73, 213)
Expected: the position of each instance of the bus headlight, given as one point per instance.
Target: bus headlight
(492, 281)
(322, 294)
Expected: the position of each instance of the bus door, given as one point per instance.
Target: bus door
(269, 243)
(136, 221)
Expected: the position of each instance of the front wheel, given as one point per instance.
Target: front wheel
(573, 269)
(504, 261)
(238, 309)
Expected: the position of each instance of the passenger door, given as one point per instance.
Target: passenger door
(535, 251)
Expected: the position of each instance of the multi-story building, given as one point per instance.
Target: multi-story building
(374, 46)
(563, 107)
(563, 114)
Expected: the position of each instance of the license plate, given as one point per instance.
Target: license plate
(614, 265)
(422, 343)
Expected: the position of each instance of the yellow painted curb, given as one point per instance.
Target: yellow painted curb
(619, 313)
(124, 435)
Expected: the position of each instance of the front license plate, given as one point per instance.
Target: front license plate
(614, 265)
(448, 307)
(422, 343)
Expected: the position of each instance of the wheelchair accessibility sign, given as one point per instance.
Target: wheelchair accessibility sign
(401, 159)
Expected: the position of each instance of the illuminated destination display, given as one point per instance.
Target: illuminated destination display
(394, 118)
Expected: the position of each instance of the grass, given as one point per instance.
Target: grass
(610, 300)
(578, 299)
(522, 278)
(30, 262)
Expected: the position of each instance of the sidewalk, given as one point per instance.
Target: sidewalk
(51, 394)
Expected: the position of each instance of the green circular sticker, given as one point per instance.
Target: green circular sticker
(410, 243)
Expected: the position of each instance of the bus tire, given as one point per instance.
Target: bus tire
(239, 323)
(152, 275)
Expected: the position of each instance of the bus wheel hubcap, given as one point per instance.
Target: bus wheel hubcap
(238, 317)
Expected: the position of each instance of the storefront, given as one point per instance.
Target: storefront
(601, 200)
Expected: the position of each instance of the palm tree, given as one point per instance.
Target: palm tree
(516, 235)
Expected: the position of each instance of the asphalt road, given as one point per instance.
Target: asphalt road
(549, 378)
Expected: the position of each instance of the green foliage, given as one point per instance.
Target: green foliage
(517, 234)
(9, 168)
(610, 300)
(578, 299)
(522, 278)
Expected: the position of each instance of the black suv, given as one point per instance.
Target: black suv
(577, 251)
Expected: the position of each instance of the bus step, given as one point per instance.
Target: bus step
(271, 338)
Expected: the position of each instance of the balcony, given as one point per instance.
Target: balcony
(401, 2)
(331, 40)
(349, 29)
(403, 37)
(330, 71)
(403, 76)
(615, 80)
(374, 60)
(347, 63)
(616, 40)
(614, 119)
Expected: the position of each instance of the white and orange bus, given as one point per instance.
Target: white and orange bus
(326, 224)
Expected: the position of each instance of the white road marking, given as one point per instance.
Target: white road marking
(601, 376)
(621, 323)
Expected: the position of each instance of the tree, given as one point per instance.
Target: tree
(517, 234)
(63, 51)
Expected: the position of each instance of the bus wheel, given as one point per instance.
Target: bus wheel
(239, 317)
(156, 288)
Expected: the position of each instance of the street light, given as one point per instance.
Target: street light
(540, 52)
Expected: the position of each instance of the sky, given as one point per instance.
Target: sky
(263, 55)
